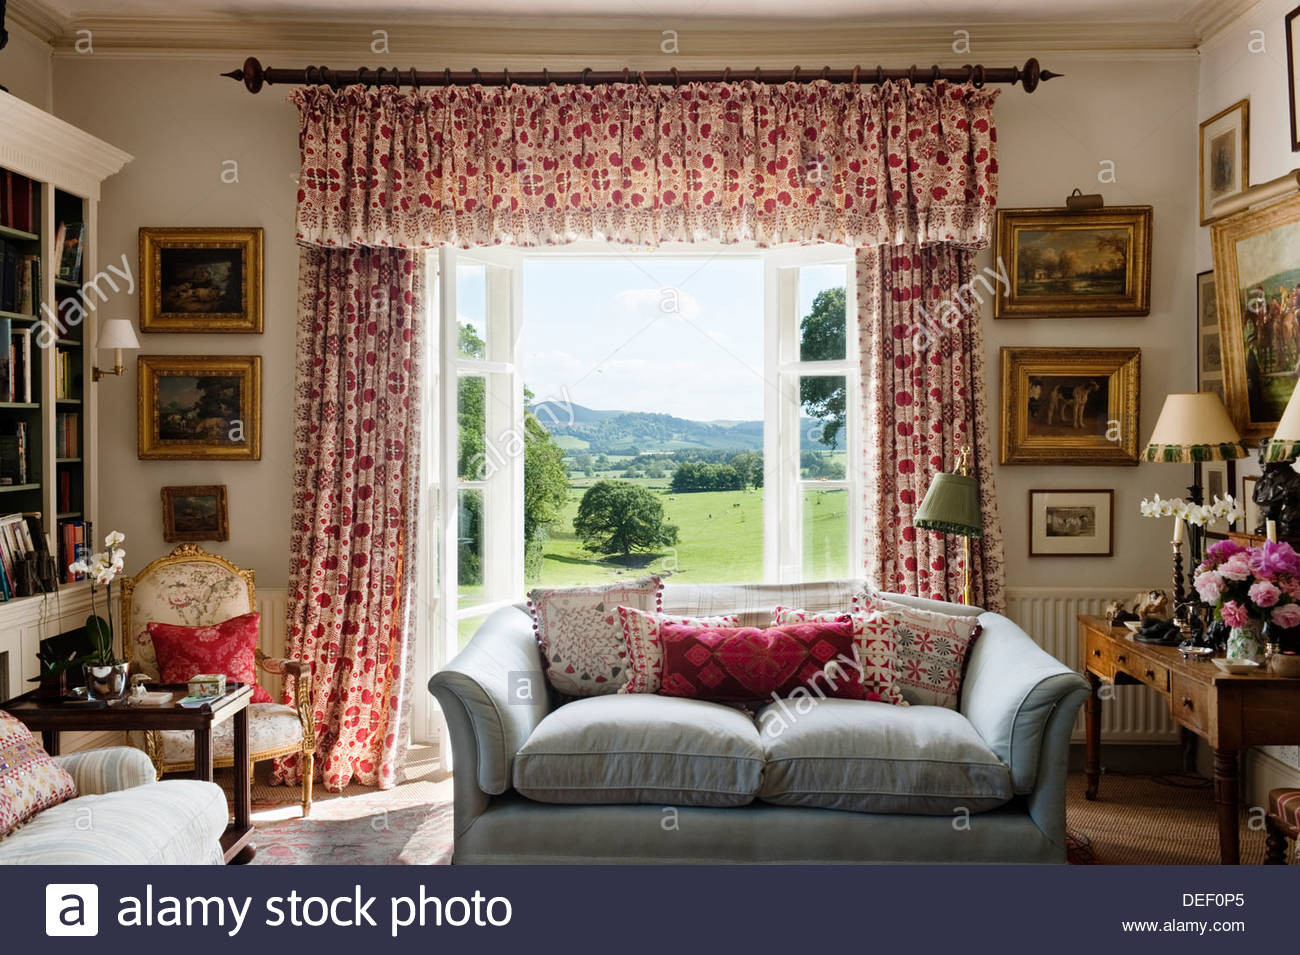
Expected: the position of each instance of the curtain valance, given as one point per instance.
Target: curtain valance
(470, 165)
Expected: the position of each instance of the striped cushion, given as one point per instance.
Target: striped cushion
(177, 822)
(1284, 807)
(108, 770)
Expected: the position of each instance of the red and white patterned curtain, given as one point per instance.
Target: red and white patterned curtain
(923, 379)
(818, 162)
(356, 473)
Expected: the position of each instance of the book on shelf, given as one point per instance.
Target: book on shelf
(74, 545)
(29, 284)
(17, 202)
(13, 455)
(67, 377)
(20, 361)
(9, 254)
(16, 544)
(69, 246)
(67, 438)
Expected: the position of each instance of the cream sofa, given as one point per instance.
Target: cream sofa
(122, 816)
(651, 779)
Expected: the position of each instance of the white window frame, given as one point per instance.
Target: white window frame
(503, 487)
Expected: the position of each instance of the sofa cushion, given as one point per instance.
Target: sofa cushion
(873, 757)
(645, 652)
(875, 655)
(931, 648)
(29, 780)
(639, 748)
(580, 634)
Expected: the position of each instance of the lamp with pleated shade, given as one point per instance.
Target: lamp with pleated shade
(952, 506)
(1194, 428)
(1285, 443)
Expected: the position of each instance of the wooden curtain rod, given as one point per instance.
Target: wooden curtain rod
(255, 76)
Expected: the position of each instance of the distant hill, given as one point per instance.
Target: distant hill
(578, 428)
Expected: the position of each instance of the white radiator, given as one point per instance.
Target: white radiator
(1050, 615)
(272, 604)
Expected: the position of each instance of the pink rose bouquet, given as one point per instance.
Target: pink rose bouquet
(1245, 583)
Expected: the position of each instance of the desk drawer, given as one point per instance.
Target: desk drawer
(1096, 653)
(1138, 666)
(1189, 703)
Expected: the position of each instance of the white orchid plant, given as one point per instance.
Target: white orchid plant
(1223, 508)
(102, 569)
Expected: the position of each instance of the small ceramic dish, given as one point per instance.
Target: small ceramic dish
(1236, 667)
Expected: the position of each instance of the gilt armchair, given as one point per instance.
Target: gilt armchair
(193, 588)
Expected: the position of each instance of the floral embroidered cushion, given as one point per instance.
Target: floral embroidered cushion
(30, 781)
(742, 664)
(645, 655)
(229, 647)
(875, 653)
(581, 636)
(932, 649)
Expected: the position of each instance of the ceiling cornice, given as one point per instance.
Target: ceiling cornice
(521, 43)
(1208, 17)
(38, 18)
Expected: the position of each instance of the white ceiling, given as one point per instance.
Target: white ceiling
(956, 11)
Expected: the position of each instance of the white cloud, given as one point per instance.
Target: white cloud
(659, 302)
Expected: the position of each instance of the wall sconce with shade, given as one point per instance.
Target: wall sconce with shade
(119, 335)
(952, 506)
(1192, 429)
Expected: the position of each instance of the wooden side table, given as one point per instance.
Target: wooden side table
(1229, 712)
(53, 716)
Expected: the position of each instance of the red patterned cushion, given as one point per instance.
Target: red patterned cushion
(645, 655)
(29, 780)
(739, 664)
(876, 655)
(228, 648)
(932, 649)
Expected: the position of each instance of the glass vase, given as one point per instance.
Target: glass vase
(1246, 642)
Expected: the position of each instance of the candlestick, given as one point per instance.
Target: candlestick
(1178, 530)
(1271, 528)
(1179, 594)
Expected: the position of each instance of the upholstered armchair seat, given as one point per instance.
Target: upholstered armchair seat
(193, 588)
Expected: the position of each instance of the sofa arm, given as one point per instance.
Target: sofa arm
(1011, 691)
(498, 685)
(109, 770)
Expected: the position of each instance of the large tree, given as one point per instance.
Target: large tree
(618, 517)
(546, 488)
(822, 338)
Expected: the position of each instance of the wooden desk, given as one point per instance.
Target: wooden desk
(52, 717)
(1228, 712)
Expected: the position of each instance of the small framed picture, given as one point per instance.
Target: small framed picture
(1217, 480)
(201, 280)
(1209, 354)
(199, 408)
(1248, 505)
(195, 513)
(1225, 156)
(1293, 90)
(1070, 523)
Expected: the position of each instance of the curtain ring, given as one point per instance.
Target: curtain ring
(794, 75)
(978, 73)
(726, 74)
(505, 73)
(854, 81)
(911, 74)
(414, 83)
(641, 76)
(627, 74)
(586, 76)
(361, 75)
(880, 75)
(677, 78)
(826, 73)
(328, 76)
(758, 74)
(446, 76)
(546, 76)
(936, 74)
(478, 77)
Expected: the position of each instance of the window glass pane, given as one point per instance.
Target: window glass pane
(822, 435)
(471, 309)
(825, 534)
(471, 401)
(466, 628)
(822, 312)
(469, 547)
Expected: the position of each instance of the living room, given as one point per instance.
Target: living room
(681, 331)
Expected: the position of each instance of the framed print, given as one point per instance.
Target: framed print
(1248, 505)
(1225, 156)
(1073, 264)
(1071, 523)
(1218, 478)
(1293, 93)
(199, 408)
(1209, 353)
(1257, 279)
(195, 513)
(201, 280)
(1070, 405)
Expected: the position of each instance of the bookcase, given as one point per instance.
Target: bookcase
(53, 294)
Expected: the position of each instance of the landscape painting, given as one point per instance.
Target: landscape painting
(1257, 266)
(195, 513)
(200, 408)
(1071, 523)
(1071, 264)
(201, 280)
(1069, 405)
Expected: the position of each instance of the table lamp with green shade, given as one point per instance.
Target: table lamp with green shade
(952, 506)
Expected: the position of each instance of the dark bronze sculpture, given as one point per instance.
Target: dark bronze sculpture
(1278, 495)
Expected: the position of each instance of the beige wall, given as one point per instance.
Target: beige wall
(26, 67)
(182, 121)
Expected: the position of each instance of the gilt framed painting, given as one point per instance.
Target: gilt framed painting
(1225, 156)
(205, 408)
(195, 513)
(1257, 279)
(1070, 405)
(1061, 264)
(201, 280)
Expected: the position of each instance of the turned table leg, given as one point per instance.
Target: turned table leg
(1225, 799)
(1092, 748)
(1274, 844)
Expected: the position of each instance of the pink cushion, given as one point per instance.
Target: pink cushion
(740, 664)
(581, 636)
(932, 649)
(876, 653)
(29, 780)
(645, 654)
(229, 647)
